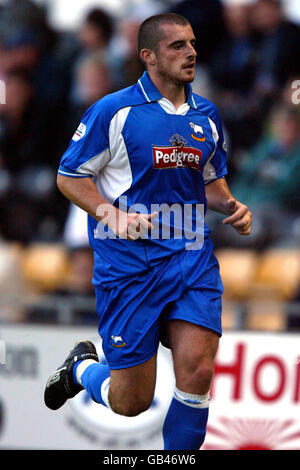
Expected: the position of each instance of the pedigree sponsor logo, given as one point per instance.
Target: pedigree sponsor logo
(176, 157)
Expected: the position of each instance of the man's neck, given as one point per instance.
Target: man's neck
(173, 92)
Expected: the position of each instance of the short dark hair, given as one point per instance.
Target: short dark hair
(150, 33)
(102, 21)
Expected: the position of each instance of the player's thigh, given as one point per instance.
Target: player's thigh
(194, 349)
(132, 389)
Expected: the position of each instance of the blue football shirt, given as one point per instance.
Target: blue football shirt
(142, 153)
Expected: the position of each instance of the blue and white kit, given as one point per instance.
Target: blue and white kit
(139, 149)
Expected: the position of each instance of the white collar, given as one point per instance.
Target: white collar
(170, 108)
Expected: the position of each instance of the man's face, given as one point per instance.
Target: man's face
(176, 56)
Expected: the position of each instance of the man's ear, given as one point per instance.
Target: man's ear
(148, 57)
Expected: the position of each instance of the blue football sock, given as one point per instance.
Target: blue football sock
(185, 423)
(74, 371)
(92, 379)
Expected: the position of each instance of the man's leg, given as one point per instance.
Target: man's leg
(131, 390)
(194, 349)
(126, 391)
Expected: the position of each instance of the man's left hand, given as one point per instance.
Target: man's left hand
(240, 217)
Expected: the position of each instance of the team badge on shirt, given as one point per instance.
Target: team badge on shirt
(80, 132)
(197, 130)
(118, 342)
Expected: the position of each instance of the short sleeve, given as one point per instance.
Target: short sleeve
(88, 151)
(216, 166)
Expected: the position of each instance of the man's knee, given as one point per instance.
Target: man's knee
(196, 374)
(203, 373)
(131, 407)
(194, 349)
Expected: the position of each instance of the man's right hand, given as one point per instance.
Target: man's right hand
(128, 226)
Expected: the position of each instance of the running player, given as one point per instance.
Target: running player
(153, 143)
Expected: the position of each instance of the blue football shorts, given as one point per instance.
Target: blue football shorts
(185, 286)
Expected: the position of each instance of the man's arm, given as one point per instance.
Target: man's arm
(83, 193)
(220, 199)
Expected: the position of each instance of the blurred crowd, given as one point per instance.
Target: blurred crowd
(248, 60)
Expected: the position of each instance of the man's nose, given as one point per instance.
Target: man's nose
(192, 51)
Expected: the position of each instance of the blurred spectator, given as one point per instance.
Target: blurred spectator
(206, 19)
(29, 144)
(132, 66)
(233, 64)
(127, 67)
(93, 40)
(278, 48)
(271, 171)
(24, 126)
(269, 175)
(260, 52)
(92, 81)
(232, 70)
(96, 31)
(28, 44)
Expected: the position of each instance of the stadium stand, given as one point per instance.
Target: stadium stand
(44, 266)
(265, 316)
(238, 271)
(278, 275)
